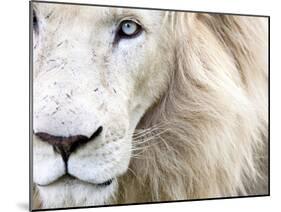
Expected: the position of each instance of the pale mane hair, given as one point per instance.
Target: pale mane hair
(207, 136)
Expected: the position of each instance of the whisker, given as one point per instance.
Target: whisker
(131, 170)
(152, 128)
(145, 140)
(146, 131)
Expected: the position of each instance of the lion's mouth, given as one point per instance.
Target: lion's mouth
(106, 183)
(67, 178)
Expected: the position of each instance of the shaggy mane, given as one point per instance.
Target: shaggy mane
(207, 134)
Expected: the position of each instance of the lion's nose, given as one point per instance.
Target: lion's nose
(66, 145)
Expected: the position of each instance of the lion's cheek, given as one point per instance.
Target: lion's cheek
(47, 165)
(97, 164)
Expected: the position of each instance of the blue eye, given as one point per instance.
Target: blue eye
(129, 29)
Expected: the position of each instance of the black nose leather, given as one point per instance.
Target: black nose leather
(66, 145)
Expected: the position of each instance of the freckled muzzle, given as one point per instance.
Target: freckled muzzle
(64, 107)
(78, 132)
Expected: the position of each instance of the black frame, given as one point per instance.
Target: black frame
(31, 106)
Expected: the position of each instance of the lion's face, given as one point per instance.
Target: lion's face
(96, 71)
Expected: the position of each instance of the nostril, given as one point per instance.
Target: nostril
(66, 145)
(61, 140)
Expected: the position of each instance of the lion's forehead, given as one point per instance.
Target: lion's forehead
(94, 14)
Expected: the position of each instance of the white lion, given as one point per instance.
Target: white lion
(138, 105)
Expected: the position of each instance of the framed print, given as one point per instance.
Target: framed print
(139, 105)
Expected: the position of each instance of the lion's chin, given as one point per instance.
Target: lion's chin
(71, 192)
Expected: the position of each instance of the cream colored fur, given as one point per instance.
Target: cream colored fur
(201, 131)
(213, 115)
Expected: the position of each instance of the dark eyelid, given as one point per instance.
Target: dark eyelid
(129, 18)
(35, 20)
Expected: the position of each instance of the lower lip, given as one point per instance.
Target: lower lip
(68, 177)
(106, 183)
